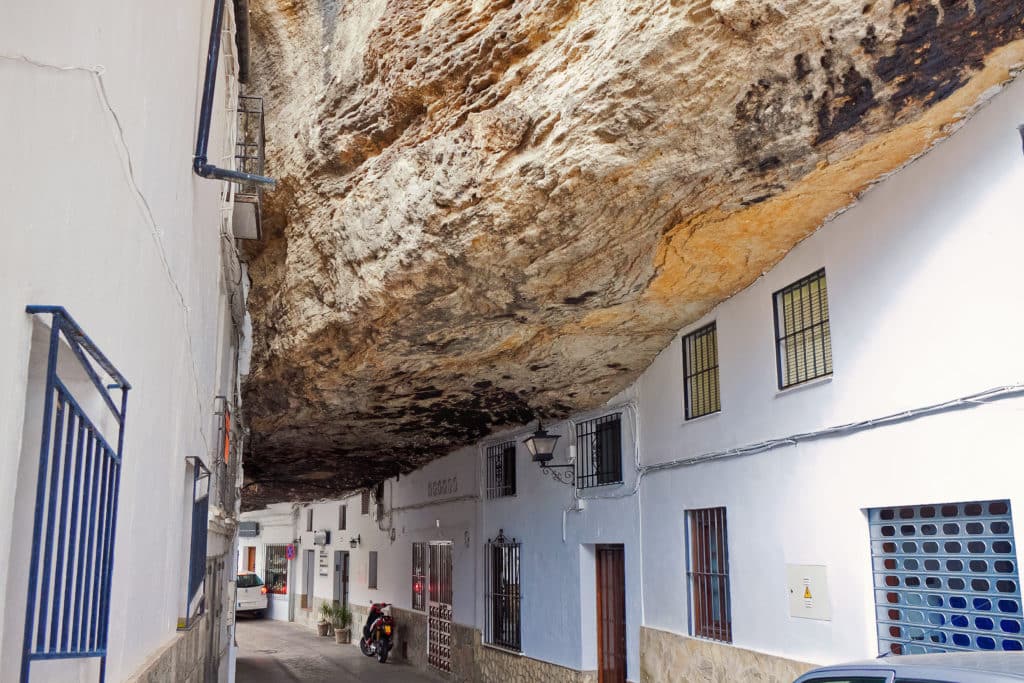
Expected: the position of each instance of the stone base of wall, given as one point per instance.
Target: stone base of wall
(471, 660)
(668, 656)
(183, 660)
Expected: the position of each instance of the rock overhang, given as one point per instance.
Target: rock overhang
(494, 210)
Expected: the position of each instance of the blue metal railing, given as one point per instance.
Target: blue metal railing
(73, 532)
(194, 603)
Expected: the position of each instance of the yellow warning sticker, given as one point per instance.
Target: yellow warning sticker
(807, 593)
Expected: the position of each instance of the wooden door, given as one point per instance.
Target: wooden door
(250, 558)
(340, 577)
(611, 614)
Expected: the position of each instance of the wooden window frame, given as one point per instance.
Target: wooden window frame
(707, 570)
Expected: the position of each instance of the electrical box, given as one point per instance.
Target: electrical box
(322, 537)
(808, 591)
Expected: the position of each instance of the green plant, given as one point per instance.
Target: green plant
(326, 612)
(342, 616)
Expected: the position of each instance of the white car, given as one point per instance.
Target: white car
(250, 594)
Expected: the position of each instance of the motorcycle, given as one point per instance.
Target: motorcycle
(379, 632)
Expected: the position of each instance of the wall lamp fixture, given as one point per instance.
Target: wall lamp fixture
(355, 541)
(542, 449)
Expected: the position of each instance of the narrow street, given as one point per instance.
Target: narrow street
(280, 652)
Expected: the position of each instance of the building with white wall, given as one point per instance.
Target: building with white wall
(118, 454)
(822, 468)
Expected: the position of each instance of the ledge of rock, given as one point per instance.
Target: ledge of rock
(490, 208)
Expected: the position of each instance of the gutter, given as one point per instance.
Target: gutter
(200, 163)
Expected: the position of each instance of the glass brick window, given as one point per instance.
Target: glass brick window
(502, 599)
(946, 578)
(802, 336)
(700, 372)
(599, 451)
(707, 565)
(275, 569)
(371, 575)
(501, 470)
(419, 576)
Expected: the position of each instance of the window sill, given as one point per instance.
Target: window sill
(702, 417)
(499, 648)
(803, 385)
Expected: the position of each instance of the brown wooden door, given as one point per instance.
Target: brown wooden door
(250, 560)
(611, 614)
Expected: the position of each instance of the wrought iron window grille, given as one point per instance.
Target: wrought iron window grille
(75, 522)
(700, 372)
(802, 335)
(195, 603)
(501, 470)
(502, 594)
(419, 576)
(599, 451)
(707, 563)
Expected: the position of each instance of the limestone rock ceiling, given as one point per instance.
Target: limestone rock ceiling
(488, 208)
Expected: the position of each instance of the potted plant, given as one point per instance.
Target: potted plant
(323, 627)
(342, 621)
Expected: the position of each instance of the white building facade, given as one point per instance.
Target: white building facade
(119, 456)
(823, 468)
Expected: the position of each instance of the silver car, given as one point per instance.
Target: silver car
(951, 667)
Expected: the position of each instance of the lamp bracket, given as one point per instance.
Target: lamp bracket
(567, 478)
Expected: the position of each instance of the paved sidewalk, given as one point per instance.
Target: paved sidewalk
(280, 652)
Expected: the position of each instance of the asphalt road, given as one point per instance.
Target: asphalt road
(280, 652)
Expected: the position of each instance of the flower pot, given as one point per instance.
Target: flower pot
(343, 636)
(321, 628)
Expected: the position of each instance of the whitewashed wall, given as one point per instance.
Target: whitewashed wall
(103, 216)
(924, 294)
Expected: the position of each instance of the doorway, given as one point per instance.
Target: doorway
(340, 577)
(439, 614)
(309, 566)
(611, 614)
(250, 558)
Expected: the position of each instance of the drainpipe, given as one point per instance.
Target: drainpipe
(200, 164)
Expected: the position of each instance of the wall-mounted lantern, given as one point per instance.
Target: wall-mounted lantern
(355, 541)
(542, 449)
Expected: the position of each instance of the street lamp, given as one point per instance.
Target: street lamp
(542, 448)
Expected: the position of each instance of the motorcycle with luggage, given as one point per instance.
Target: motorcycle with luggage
(379, 632)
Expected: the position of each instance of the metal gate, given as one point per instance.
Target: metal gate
(73, 533)
(946, 578)
(439, 619)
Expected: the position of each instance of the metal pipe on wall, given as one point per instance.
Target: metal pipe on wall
(200, 164)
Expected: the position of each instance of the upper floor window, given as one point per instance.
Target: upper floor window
(803, 339)
(371, 575)
(365, 502)
(501, 470)
(707, 565)
(599, 451)
(700, 372)
(342, 517)
(309, 519)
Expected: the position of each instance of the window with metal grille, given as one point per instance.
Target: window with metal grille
(700, 372)
(599, 451)
(371, 580)
(419, 576)
(366, 502)
(501, 470)
(707, 565)
(275, 569)
(200, 495)
(342, 517)
(946, 578)
(502, 598)
(802, 336)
